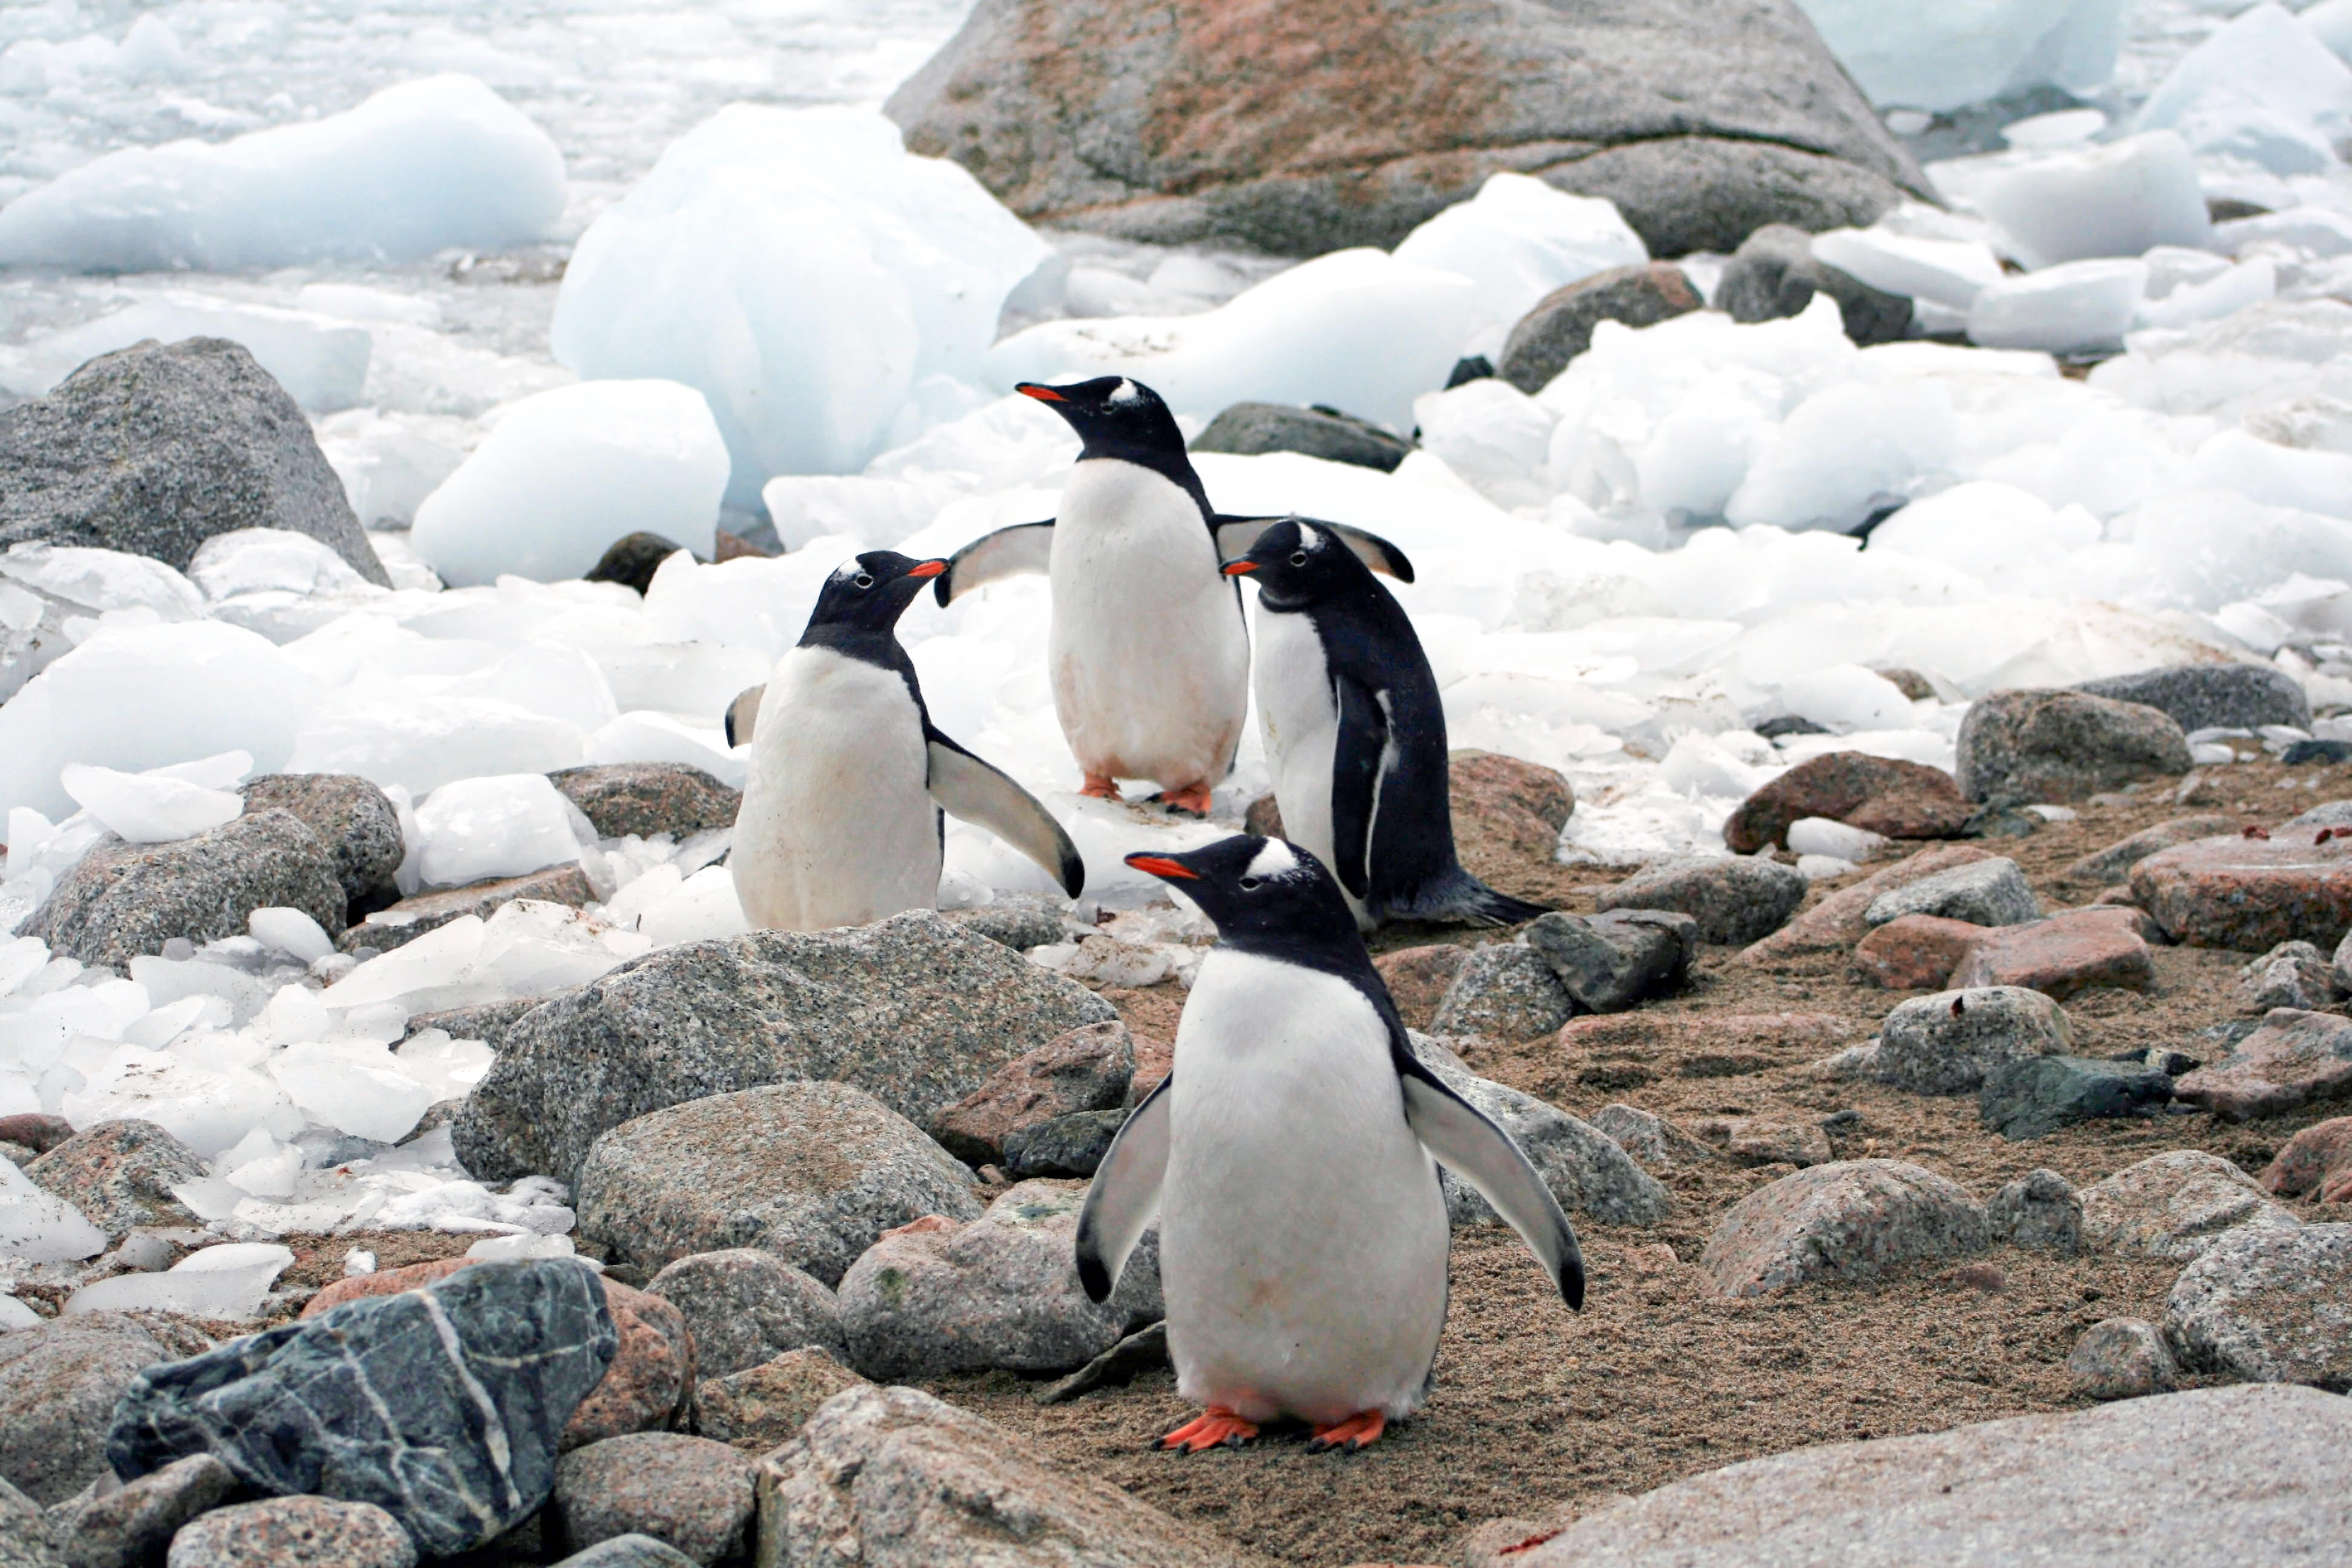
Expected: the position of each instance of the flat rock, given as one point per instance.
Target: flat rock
(1146, 1350)
(157, 448)
(1302, 129)
(1753, 1140)
(133, 1524)
(1774, 276)
(2121, 1358)
(1946, 1044)
(121, 1175)
(1504, 991)
(2073, 949)
(1612, 963)
(58, 1384)
(2175, 1204)
(1589, 1174)
(1019, 926)
(1654, 1142)
(124, 900)
(443, 1406)
(1836, 924)
(1417, 979)
(762, 1406)
(692, 1494)
(1851, 1219)
(2250, 894)
(910, 1009)
(743, 1308)
(2294, 1059)
(401, 923)
(2035, 1097)
(2021, 747)
(1072, 1146)
(2039, 1211)
(1086, 1070)
(1922, 801)
(288, 1531)
(1253, 429)
(2292, 974)
(1559, 327)
(1917, 953)
(1001, 1292)
(1984, 892)
(352, 818)
(2105, 867)
(1735, 902)
(2212, 696)
(646, 798)
(2318, 1160)
(1506, 807)
(890, 1476)
(2092, 1489)
(811, 1172)
(2268, 1306)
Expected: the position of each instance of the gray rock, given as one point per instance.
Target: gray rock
(762, 1406)
(628, 1551)
(1559, 327)
(1984, 892)
(59, 1383)
(882, 1477)
(2328, 814)
(2121, 1358)
(127, 899)
(1000, 1292)
(157, 448)
(1019, 926)
(690, 1493)
(396, 925)
(910, 1009)
(442, 1407)
(1504, 991)
(811, 1172)
(1946, 1044)
(288, 1531)
(121, 1175)
(2022, 747)
(2269, 1305)
(1251, 429)
(744, 1307)
(2093, 1488)
(1072, 1146)
(1737, 900)
(632, 559)
(2212, 696)
(2041, 1211)
(1775, 275)
(1852, 1219)
(1086, 1070)
(1612, 963)
(1586, 1172)
(2292, 974)
(351, 818)
(646, 798)
(27, 1540)
(2288, 1060)
(1654, 1142)
(2105, 867)
(2035, 1096)
(130, 1526)
(1753, 1140)
(1146, 1350)
(2175, 1204)
(486, 1022)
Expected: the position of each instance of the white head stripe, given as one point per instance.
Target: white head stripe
(1275, 860)
(1127, 392)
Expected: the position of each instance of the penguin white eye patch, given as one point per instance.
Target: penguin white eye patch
(1275, 860)
(1125, 392)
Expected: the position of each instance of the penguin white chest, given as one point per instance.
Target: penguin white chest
(1300, 720)
(1303, 1236)
(1149, 659)
(837, 826)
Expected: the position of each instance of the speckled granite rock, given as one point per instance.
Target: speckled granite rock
(2039, 1211)
(2212, 696)
(2318, 1160)
(1836, 923)
(689, 1493)
(744, 1307)
(1983, 892)
(2249, 894)
(403, 922)
(2121, 1358)
(911, 1010)
(1900, 799)
(1655, 1143)
(1946, 1044)
(1847, 1220)
(1418, 978)
(58, 1384)
(294, 1532)
(2021, 746)
(1589, 1174)
(26, 1538)
(2037, 1096)
(646, 798)
(352, 818)
(132, 1525)
(1736, 901)
(811, 1172)
(2175, 1204)
(1559, 327)
(1000, 1292)
(2292, 974)
(2105, 867)
(1019, 926)
(1072, 1146)
(1086, 1070)
(442, 1407)
(2268, 1306)
(762, 1406)
(629, 1550)
(2295, 1059)
(128, 899)
(120, 1174)
(1504, 991)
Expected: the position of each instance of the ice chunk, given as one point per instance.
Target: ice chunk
(2082, 306)
(1847, 451)
(16, 1315)
(393, 734)
(147, 808)
(1810, 835)
(294, 1015)
(226, 1281)
(642, 737)
(502, 825)
(448, 1069)
(254, 560)
(2238, 287)
(142, 695)
(804, 273)
(1492, 435)
(390, 462)
(1947, 271)
(2045, 132)
(527, 948)
(566, 472)
(2116, 200)
(101, 580)
(745, 603)
(35, 1228)
(1518, 239)
(547, 677)
(1356, 330)
(2330, 22)
(2012, 541)
(704, 906)
(207, 1100)
(1846, 697)
(424, 166)
(1962, 51)
(876, 513)
(2276, 475)
(354, 1087)
(320, 361)
(2264, 88)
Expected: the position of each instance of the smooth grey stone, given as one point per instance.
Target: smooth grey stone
(1849, 1219)
(2036, 1095)
(1250, 429)
(2268, 1305)
(744, 1307)
(2121, 1358)
(2039, 1211)
(2212, 696)
(1984, 892)
(1559, 326)
(632, 1551)
(1774, 275)
(1588, 1173)
(1146, 1350)
(1736, 901)
(1612, 963)
(1946, 1043)
(2027, 746)
(1072, 1146)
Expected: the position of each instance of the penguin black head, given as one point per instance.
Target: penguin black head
(866, 596)
(1116, 417)
(1262, 893)
(1296, 563)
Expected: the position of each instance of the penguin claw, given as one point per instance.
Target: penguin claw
(1193, 800)
(1098, 787)
(1359, 1431)
(1213, 1428)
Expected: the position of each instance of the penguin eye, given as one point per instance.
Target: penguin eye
(1299, 558)
(863, 580)
(1249, 884)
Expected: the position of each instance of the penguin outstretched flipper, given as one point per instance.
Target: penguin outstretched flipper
(1481, 1153)
(1124, 1197)
(1238, 535)
(971, 791)
(1026, 549)
(1456, 896)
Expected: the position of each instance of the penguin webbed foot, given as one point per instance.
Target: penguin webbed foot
(1360, 1430)
(1215, 1427)
(1100, 788)
(1193, 800)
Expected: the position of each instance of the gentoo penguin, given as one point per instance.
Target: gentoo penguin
(840, 821)
(1147, 653)
(1302, 1232)
(1356, 734)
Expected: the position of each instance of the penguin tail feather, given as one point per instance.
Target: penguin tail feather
(1459, 897)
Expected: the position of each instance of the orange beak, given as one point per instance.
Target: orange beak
(927, 569)
(1240, 568)
(1041, 393)
(1162, 867)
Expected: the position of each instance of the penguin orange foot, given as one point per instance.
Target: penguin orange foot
(1213, 1427)
(1098, 787)
(1193, 800)
(1360, 1430)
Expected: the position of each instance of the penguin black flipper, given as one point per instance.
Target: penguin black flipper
(973, 792)
(1464, 1141)
(1024, 549)
(1236, 535)
(1358, 754)
(1124, 1195)
(742, 714)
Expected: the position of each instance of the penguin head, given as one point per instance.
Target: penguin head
(1259, 888)
(1296, 563)
(1114, 416)
(870, 592)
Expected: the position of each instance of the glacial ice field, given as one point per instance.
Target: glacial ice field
(542, 274)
